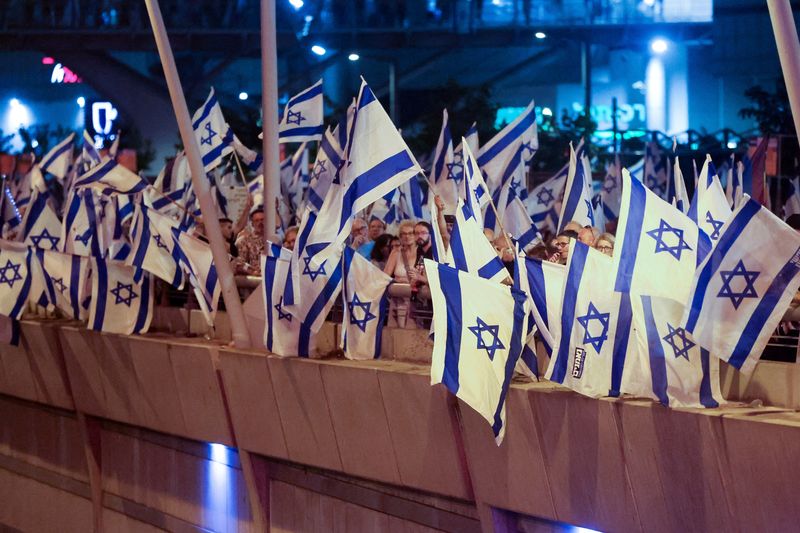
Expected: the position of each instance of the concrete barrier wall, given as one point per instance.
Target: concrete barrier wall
(378, 441)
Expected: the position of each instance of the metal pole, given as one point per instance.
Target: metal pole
(392, 93)
(615, 126)
(269, 115)
(230, 294)
(586, 72)
(780, 12)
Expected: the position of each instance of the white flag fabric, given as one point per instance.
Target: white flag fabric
(66, 278)
(545, 283)
(303, 116)
(444, 174)
(577, 203)
(494, 155)
(739, 293)
(251, 159)
(119, 304)
(59, 159)
(792, 205)
(592, 344)
(41, 227)
(15, 278)
(214, 136)
(80, 233)
(365, 304)
(682, 201)
(470, 250)
(377, 162)
(194, 256)
(89, 155)
(329, 157)
(109, 178)
(655, 170)
(282, 332)
(658, 248)
(470, 139)
(475, 192)
(666, 363)
(611, 190)
(544, 201)
(478, 340)
(300, 179)
(733, 187)
(709, 207)
(153, 247)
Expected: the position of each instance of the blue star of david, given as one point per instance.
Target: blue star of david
(651, 181)
(610, 183)
(528, 147)
(451, 171)
(14, 275)
(749, 290)
(159, 242)
(716, 225)
(211, 135)
(59, 284)
(545, 196)
(117, 292)
(593, 314)
(590, 211)
(365, 307)
(295, 117)
(495, 343)
(313, 273)
(45, 236)
(319, 168)
(661, 246)
(686, 344)
(282, 315)
(85, 237)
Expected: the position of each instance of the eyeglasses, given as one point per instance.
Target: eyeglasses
(562, 244)
(605, 248)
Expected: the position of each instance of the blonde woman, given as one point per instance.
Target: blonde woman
(400, 266)
(605, 244)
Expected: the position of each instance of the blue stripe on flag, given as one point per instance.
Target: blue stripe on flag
(209, 105)
(537, 287)
(301, 132)
(633, 232)
(316, 308)
(658, 364)
(74, 286)
(44, 165)
(490, 269)
(512, 136)
(706, 396)
(144, 305)
(451, 288)
(101, 270)
(621, 336)
(573, 281)
(726, 241)
(514, 351)
(269, 281)
(308, 94)
(573, 196)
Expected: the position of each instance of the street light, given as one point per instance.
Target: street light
(540, 35)
(319, 50)
(659, 45)
(354, 57)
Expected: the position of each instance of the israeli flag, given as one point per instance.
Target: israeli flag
(41, 227)
(478, 340)
(475, 190)
(119, 304)
(611, 190)
(658, 248)
(66, 280)
(15, 278)
(516, 220)
(365, 302)
(543, 200)
(709, 208)
(79, 233)
(592, 344)
(512, 181)
(439, 245)
(495, 154)
(681, 200)
(111, 178)
(282, 332)
(59, 159)
(655, 171)
(153, 248)
(329, 157)
(410, 200)
(445, 174)
(214, 136)
(377, 161)
(470, 250)
(577, 203)
(470, 139)
(251, 159)
(666, 364)
(792, 205)
(194, 256)
(545, 284)
(303, 116)
(739, 293)
(90, 157)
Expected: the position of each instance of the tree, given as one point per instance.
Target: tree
(769, 109)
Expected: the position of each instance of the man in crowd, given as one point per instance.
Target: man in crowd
(251, 245)
(375, 229)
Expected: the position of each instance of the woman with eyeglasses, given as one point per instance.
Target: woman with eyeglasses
(605, 244)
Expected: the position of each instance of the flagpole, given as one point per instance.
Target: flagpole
(269, 114)
(239, 166)
(230, 294)
(780, 12)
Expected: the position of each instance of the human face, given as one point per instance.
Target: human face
(604, 246)
(376, 228)
(257, 220)
(562, 246)
(227, 229)
(406, 236)
(504, 250)
(359, 228)
(422, 235)
(586, 236)
(395, 244)
(289, 238)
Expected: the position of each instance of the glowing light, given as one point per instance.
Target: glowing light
(220, 486)
(103, 116)
(14, 103)
(81, 101)
(47, 60)
(546, 111)
(34, 143)
(354, 57)
(319, 50)
(243, 95)
(309, 18)
(732, 145)
(540, 35)
(296, 4)
(62, 74)
(659, 45)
